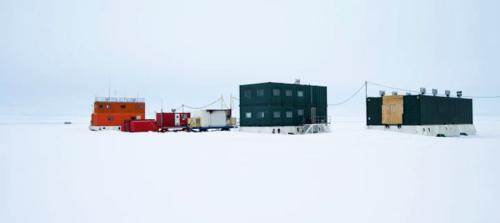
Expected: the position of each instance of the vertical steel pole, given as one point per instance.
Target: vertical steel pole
(366, 89)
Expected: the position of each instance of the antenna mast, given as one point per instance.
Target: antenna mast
(109, 88)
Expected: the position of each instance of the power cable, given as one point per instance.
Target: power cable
(349, 98)
(393, 88)
(484, 97)
(202, 107)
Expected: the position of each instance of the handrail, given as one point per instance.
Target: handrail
(118, 99)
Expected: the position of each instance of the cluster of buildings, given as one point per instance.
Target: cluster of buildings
(282, 108)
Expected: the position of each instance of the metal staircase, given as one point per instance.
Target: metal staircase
(315, 128)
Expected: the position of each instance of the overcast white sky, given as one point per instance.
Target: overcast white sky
(56, 55)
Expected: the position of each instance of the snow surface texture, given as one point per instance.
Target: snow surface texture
(65, 173)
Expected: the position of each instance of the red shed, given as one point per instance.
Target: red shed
(148, 125)
(171, 120)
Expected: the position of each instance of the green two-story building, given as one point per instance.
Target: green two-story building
(282, 108)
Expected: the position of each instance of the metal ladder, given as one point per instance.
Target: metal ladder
(315, 128)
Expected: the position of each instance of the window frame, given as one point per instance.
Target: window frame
(300, 93)
(262, 115)
(247, 93)
(261, 93)
(278, 114)
(276, 92)
(300, 112)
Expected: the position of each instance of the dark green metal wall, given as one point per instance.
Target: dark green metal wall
(268, 103)
(426, 110)
(374, 111)
(442, 110)
(412, 110)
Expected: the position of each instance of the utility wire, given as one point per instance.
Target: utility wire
(484, 97)
(393, 88)
(339, 103)
(179, 108)
(202, 107)
(223, 103)
(349, 98)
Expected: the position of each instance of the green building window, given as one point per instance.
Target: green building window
(300, 93)
(300, 112)
(289, 114)
(248, 115)
(262, 114)
(260, 92)
(289, 93)
(248, 94)
(276, 114)
(276, 92)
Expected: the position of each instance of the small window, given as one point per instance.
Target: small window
(276, 92)
(248, 115)
(300, 112)
(184, 116)
(289, 93)
(262, 114)
(101, 106)
(300, 93)
(247, 94)
(123, 106)
(260, 92)
(108, 106)
(111, 118)
(289, 114)
(276, 114)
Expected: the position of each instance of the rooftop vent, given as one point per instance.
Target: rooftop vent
(382, 93)
(422, 91)
(459, 94)
(394, 93)
(447, 93)
(434, 92)
(297, 81)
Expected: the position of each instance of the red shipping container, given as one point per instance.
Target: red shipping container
(148, 125)
(172, 120)
(125, 126)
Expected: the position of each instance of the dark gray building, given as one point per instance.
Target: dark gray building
(423, 114)
(286, 108)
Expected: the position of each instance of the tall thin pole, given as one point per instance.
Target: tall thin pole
(109, 88)
(366, 89)
(231, 101)
(221, 101)
(366, 101)
(161, 114)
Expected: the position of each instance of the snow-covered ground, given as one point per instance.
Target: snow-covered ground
(65, 173)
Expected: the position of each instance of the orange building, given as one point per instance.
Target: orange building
(109, 113)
